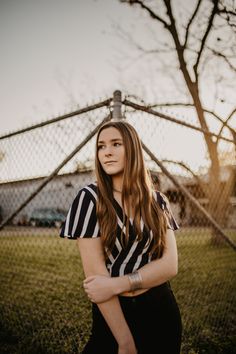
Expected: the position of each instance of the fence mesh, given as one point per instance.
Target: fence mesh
(42, 304)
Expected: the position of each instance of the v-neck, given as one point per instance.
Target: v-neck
(121, 210)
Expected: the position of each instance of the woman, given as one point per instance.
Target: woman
(125, 233)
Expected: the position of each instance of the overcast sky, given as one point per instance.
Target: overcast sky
(55, 53)
(58, 55)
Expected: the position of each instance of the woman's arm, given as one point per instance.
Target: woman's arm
(92, 257)
(154, 273)
(163, 269)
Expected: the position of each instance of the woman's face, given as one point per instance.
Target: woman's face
(111, 151)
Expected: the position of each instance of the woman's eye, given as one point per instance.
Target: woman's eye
(101, 147)
(117, 144)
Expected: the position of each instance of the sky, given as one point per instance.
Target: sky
(58, 55)
(55, 53)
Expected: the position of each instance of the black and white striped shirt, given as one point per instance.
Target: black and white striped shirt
(81, 221)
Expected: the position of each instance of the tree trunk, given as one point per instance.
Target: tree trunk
(218, 199)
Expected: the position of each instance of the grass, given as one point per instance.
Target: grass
(43, 308)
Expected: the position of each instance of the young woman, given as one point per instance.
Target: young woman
(125, 233)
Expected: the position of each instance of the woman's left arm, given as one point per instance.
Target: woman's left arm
(154, 273)
(163, 269)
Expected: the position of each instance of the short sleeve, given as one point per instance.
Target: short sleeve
(165, 206)
(81, 220)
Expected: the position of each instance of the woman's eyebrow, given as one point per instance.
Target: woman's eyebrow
(112, 140)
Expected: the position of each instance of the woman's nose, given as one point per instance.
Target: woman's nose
(108, 151)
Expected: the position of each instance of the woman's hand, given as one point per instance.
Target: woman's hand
(99, 288)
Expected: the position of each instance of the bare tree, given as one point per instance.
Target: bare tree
(196, 44)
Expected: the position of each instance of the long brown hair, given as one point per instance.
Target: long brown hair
(137, 194)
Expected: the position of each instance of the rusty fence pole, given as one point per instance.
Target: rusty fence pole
(117, 104)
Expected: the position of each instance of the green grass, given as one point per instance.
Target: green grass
(43, 308)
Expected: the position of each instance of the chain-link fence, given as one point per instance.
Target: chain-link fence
(43, 306)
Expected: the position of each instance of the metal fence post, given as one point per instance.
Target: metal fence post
(116, 113)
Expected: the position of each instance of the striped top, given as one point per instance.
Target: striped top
(81, 221)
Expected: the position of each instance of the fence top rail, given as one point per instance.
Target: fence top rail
(174, 120)
(59, 118)
(47, 179)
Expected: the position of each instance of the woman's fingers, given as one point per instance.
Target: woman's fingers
(88, 279)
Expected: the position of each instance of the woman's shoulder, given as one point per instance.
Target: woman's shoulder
(81, 220)
(89, 191)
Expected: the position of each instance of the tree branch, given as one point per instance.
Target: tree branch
(190, 22)
(223, 57)
(148, 9)
(230, 15)
(208, 29)
(227, 12)
(225, 124)
(182, 164)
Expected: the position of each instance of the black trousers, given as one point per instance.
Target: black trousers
(154, 320)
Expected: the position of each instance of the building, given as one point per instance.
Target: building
(61, 190)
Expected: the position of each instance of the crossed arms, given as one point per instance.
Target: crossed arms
(104, 290)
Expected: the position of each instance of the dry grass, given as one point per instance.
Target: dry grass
(43, 308)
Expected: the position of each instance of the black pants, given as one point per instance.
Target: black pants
(154, 320)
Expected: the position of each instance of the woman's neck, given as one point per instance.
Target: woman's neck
(117, 183)
(117, 191)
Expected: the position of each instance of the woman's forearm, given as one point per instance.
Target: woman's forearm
(101, 287)
(152, 274)
(93, 263)
(113, 315)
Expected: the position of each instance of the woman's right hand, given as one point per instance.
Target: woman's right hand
(99, 288)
